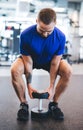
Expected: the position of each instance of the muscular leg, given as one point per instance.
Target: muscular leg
(65, 74)
(62, 68)
(17, 70)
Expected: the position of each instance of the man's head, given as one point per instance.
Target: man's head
(47, 15)
(46, 21)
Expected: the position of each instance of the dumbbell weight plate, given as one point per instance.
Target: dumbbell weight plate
(39, 114)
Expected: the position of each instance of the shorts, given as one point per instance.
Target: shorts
(44, 66)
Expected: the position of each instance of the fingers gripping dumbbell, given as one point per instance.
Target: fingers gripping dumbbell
(39, 112)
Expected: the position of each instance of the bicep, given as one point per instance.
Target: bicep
(27, 60)
(57, 58)
(55, 63)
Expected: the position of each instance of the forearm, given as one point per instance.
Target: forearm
(28, 65)
(54, 70)
(53, 75)
(28, 68)
(28, 76)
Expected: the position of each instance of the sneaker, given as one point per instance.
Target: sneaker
(55, 112)
(23, 112)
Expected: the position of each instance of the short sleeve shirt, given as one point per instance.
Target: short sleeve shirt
(41, 49)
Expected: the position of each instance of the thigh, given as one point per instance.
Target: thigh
(18, 66)
(64, 68)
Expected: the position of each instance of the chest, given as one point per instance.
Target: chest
(45, 46)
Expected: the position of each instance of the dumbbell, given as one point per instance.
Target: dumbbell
(39, 112)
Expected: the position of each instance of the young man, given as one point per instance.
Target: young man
(41, 47)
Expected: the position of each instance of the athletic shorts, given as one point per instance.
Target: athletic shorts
(44, 66)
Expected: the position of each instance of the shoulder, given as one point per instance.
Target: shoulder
(28, 30)
(59, 34)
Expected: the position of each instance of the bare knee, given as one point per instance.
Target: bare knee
(68, 73)
(14, 73)
(65, 71)
(17, 68)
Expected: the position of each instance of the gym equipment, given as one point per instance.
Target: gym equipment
(39, 112)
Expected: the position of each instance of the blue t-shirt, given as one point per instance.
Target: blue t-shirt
(41, 49)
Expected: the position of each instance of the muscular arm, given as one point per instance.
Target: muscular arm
(53, 74)
(28, 64)
(54, 69)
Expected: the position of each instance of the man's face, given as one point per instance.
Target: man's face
(45, 30)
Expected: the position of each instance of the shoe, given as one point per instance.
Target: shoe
(55, 112)
(23, 112)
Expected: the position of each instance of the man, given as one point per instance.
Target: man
(41, 47)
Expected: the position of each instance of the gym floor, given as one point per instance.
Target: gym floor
(71, 103)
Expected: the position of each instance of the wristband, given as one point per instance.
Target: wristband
(29, 78)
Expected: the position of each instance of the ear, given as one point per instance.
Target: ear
(55, 22)
(36, 20)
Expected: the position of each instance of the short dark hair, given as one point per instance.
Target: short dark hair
(47, 15)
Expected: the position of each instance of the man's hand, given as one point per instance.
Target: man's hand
(51, 92)
(31, 90)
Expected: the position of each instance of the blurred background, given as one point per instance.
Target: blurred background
(16, 15)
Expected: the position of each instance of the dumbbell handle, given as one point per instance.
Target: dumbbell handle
(40, 105)
(40, 95)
